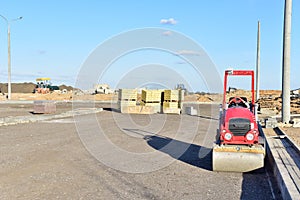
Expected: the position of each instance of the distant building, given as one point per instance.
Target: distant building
(103, 89)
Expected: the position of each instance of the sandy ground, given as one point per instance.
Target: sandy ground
(47, 159)
(56, 96)
(293, 133)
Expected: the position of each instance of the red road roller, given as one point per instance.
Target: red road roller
(240, 144)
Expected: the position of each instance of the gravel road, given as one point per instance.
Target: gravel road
(63, 159)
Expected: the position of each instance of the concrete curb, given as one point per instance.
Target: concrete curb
(279, 169)
(276, 172)
(6, 121)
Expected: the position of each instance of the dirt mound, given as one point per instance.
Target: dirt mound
(240, 93)
(62, 87)
(26, 87)
(18, 87)
(198, 98)
(270, 92)
(204, 99)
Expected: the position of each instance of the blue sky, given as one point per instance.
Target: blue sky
(54, 38)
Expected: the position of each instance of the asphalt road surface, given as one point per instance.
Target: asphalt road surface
(110, 155)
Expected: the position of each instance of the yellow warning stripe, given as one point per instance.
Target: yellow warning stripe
(238, 149)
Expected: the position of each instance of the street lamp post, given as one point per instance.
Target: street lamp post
(9, 54)
(286, 62)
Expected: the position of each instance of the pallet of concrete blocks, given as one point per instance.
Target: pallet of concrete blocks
(152, 98)
(44, 107)
(138, 109)
(123, 105)
(296, 122)
(271, 123)
(171, 108)
(127, 94)
(171, 95)
(126, 98)
(155, 105)
(167, 104)
(181, 98)
(172, 111)
(171, 102)
(191, 111)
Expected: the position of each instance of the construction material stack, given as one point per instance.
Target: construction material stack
(127, 98)
(44, 107)
(44, 86)
(191, 111)
(171, 102)
(181, 98)
(240, 144)
(152, 98)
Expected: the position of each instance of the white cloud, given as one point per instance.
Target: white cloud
(170, 21)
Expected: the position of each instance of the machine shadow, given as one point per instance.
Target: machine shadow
(185, 152)
(208, 117)
(260, 181)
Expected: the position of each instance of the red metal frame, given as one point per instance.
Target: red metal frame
(239, 73)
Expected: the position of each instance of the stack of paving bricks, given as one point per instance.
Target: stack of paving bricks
(191, 111)
(296, 122)
(271, 123)
(171, 101)
(181, 98)
(127, 100)
(152, 98)
(44, 107)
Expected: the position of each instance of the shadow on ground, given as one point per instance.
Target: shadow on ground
(260, 184)
(112, 110)
(192, 154)
(208, 117)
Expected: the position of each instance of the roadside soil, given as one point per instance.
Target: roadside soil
(270, 101)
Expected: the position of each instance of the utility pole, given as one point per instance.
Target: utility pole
(286, 62)
(258, 61)
(8, 54)
(8, 62)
